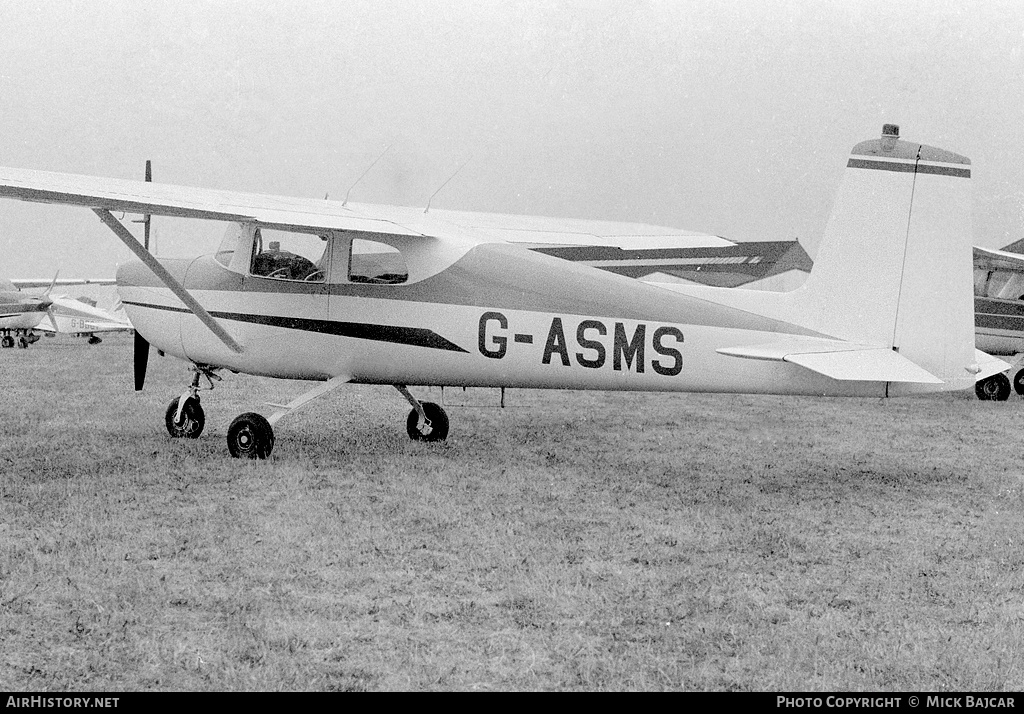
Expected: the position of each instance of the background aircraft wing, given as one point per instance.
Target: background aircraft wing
(993, 259)
(47, 282)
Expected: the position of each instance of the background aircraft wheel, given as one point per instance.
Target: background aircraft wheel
(438, 429)
(22, 342)
(192, 419)
(7, 341)
(1018, 382)
(250, 436)
(996, 387)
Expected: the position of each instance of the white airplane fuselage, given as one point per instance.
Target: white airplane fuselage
(498, 316)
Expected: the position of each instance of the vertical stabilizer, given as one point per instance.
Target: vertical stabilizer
(895, 262)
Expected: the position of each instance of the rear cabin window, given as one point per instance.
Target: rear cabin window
(375, 262)
(289, 256)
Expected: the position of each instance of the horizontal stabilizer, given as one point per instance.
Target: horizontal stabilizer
(846, 361)
(987, 365)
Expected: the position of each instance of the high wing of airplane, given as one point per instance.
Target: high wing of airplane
(341, 292)
(999, 317)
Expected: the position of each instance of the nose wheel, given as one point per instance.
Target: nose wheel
(186, 422)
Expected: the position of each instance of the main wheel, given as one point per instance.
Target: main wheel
(7, 341)
(22, 342)
(250, 436)
(996, 388)
(1018, 382)
(437, 429)
(192, 421)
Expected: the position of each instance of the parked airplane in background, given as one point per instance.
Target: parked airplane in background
(999, 316)
(52, 313)
(20, 314)
(82, 318)
(340, 292)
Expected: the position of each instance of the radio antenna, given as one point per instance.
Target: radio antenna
(446, 183)
(345, 202)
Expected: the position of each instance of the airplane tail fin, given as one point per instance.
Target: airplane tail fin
(894, 266)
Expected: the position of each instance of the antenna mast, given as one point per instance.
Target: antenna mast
(345, 202)
(446, 183)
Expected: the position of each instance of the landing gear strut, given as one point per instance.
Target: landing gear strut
(251, 436)
(427, 421)
(185, 417)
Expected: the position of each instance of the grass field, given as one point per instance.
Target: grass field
(596, 541)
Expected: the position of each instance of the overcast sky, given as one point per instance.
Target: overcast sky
(732, 118)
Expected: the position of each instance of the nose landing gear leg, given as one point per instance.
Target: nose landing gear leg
(185, 417)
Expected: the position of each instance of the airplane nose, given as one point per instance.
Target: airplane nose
(129, 273)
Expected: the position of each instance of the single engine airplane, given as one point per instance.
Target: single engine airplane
(81, 317)
(339, 292)
(51, 313)
(20, 314)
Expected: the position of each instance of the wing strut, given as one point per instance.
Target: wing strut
(161, 272)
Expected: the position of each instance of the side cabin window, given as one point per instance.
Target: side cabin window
(375, 262)
(283, 255)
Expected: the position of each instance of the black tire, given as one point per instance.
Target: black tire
(22, 343)
(193, 419)
(995, 388)
(1018, 382)
(438, 429)
(7, 341)
(250, 436)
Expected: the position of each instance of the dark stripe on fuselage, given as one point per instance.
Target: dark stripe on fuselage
(999, 322)
(413, 336)
(998, 306)
(997, 314)
(908, 168)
